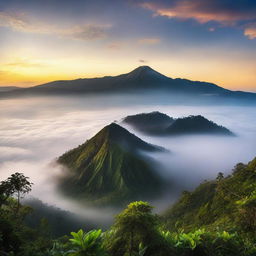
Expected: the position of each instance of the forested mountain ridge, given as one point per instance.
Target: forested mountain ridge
(156, 123)
(109, 167)
(227, 203)
(196, 125)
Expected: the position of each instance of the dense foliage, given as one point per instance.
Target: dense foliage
(134, 226)
(217, 219)
(15, 237)
(225, 203)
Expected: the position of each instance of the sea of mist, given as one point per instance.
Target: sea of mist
(36, 130)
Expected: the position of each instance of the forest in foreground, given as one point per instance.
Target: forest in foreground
(218, 218)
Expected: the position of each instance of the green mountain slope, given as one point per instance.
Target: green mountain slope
(228, 203)
(156, 123)
(196, 125)
(109, 168)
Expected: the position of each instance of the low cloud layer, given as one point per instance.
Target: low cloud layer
(34, 131)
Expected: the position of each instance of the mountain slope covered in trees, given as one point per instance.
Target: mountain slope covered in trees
(156, 123)
(196, 125)
(109, 168)
(227, 203)
(217, 219)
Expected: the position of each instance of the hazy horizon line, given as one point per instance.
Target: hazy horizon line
(114, 75)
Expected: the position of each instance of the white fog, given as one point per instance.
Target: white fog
(34, 131)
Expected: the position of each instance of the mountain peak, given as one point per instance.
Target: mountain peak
(114, 127)
(152, 123)
(144, 68)
(115, 133)
(145, 73)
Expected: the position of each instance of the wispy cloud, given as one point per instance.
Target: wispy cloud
(226, 13)
(115, 45)
(198, 10)
(150, 41)
(25, 64)
(22, 23)
(84, 32)
(16, 21)
(250, 31)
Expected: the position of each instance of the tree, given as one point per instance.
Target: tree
(134, 226)
(10, 226)
(6, 191)
(220, 176)
(17, 184)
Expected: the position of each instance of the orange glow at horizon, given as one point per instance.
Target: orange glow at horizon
(234, 80)
(229, 74)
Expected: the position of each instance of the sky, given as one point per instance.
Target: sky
(206, 40)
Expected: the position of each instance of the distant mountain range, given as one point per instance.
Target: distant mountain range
(109, 169)
(156, 123)
(142, 78)
(8, 88)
